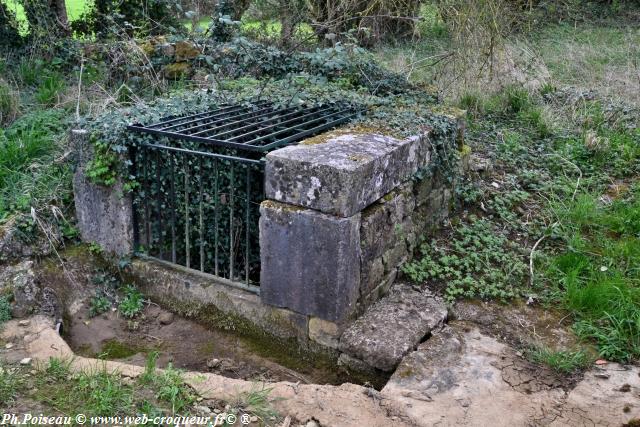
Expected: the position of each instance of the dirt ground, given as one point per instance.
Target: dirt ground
(459, 376)
(183, 343)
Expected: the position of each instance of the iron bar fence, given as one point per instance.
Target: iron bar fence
(199, 210)
(201, 181)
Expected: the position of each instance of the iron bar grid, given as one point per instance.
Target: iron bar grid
(200, 211)
(258, 127)
(201, 182)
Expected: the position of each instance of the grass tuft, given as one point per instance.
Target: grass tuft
(565, 362)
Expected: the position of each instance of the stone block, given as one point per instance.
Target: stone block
(395, 256)
(201, 297)
(393, 326)
(346, 173)
(104, 214)
(324, 332)
(371, 274)
(310, 262)
(422, 189)
(377, 292)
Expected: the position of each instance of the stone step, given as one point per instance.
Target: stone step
(393, 327)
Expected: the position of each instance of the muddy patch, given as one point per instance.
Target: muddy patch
(183, 343)
(78, 276)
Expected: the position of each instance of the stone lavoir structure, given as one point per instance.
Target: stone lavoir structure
(342, 213)
(342, 216)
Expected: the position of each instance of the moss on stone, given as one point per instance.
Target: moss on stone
(270, 204)
(404, 372)
(286, 351)
(348, 130)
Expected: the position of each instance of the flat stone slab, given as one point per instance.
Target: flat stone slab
(310, 261)
(393, 327)
(463, 377)
(346, 173)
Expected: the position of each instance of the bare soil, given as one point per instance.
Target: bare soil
(185, 344)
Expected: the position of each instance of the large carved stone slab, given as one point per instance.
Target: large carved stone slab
(310, 261)
(104, 214)
(346, 173)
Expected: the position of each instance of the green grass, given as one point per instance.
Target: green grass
(9, 103)
(168, 383)
(75, 9)
(256, 401)
(95, 392)
(598, 273)
(49, 89)
(587, 55)
(565, 362)
(99, 392)
(10, 382)
(5, 309)
(29, 174)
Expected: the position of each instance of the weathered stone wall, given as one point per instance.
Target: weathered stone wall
(343, 216)
(390, 229)
(104, 214)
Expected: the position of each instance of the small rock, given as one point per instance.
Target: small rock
(602, 376)
(216, 410)
(165, 318)
(312, 423)
(254, 419)
(601, 362)
(33, 372)
(24, 323)
(213, 363)
(625, 388)
(8, 346)
(25, 361)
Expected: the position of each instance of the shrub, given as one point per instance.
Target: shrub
(29, 176)
(5, 309)
(132, 303)
(29, 71)
(476, 261)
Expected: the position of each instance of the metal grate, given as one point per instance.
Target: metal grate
(197, 204)
(260, 126)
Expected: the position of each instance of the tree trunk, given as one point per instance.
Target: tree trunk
(47, 18)
(60, 9)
